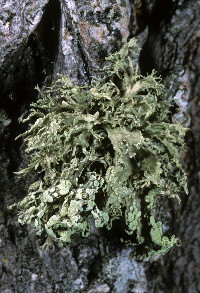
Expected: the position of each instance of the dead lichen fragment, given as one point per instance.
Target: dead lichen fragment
(105, 152)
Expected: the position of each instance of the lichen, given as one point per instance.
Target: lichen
(106, 151)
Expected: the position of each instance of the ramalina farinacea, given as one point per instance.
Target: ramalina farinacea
(106, 151)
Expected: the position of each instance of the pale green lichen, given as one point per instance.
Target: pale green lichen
(107, 152)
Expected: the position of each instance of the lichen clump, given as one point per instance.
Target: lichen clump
(106, 151)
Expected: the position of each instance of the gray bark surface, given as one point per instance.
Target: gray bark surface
(39, 39)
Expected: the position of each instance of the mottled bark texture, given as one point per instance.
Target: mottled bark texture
(41, 38)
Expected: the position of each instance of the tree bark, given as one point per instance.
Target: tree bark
(39, 39)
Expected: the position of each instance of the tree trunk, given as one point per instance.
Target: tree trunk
(41, 38)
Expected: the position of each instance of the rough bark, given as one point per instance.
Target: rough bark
(39, 39)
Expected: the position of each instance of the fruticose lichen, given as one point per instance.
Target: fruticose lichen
(106, 151)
